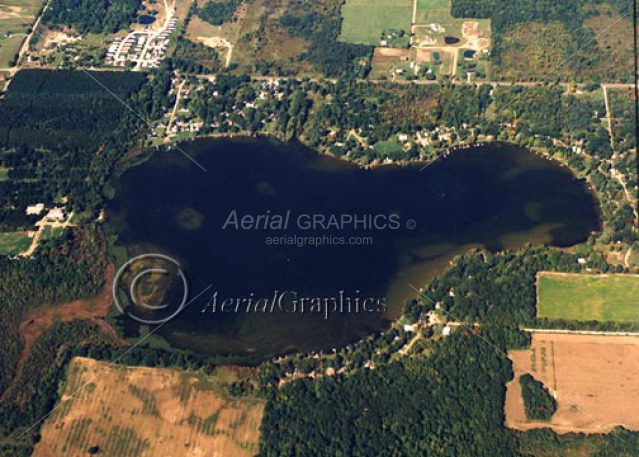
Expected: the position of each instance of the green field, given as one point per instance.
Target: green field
(12, 243)
(9, 47)
(364, 21)
(581, 297)
(432, 11)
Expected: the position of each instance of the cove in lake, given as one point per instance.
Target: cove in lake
(496, 197)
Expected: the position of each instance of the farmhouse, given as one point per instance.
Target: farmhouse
(34, 210)
(55, 215)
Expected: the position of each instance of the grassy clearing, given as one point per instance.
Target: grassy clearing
(588, 298)
(51, 233)
(262, 38)
(364, 21)
(200, 28)
(12, 243)
(9, 47)
(4, 174)
(389, 147)
(532, 50)
(614, 44)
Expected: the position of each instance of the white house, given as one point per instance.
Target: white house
(55, 215)
(34, 210)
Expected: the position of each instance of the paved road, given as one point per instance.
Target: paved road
(212, 76)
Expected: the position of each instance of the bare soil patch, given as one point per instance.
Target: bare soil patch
(392, 52)
(139, 411)
(424, 55)
(593, 378)
(55, 37)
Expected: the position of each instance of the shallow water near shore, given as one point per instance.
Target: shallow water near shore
(411, 224)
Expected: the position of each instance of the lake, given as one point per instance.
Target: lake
(305, 252)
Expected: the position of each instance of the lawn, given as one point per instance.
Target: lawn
(9, 47)
(582, 297)
(12, 243)
(391, 147)
(364, 21)
(51, 233)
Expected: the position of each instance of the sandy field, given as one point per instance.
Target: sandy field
(594, 378)
(385, 55)
(139, 411)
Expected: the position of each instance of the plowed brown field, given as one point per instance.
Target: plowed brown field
(594, 378)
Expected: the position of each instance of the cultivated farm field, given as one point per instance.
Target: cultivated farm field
(581, 297)
(364, 21)
(592, 377)
(139, 411)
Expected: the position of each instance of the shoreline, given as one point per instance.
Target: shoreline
(444, 153)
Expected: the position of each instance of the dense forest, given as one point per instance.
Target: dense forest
(218, 12)
(64, 270)
(90, 16)
(191, 57)
(64, 130)
(71, 109)
(538, 402)
(449, 404)
(618, 443)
